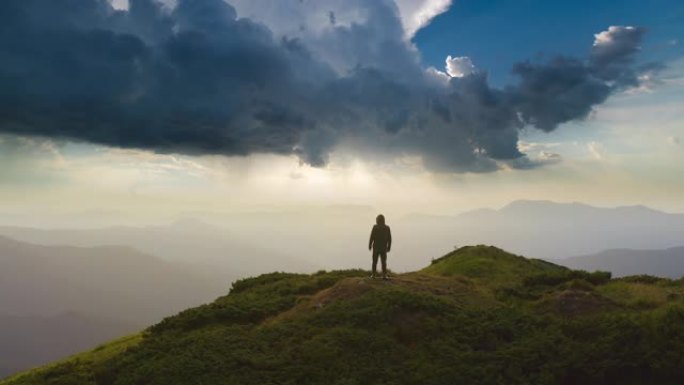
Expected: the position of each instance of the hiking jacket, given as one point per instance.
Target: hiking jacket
(380, 238)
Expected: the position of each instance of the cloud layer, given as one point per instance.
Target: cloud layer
(201, 78)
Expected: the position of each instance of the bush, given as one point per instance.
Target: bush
(556, 277)
(252, 300)
(643, 278)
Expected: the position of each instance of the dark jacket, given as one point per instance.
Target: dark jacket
(380, 238)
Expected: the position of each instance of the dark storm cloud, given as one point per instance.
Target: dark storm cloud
(194, 81)
(556, 92)
(565, 88)
(200, 80)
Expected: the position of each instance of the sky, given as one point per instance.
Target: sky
(148, 110)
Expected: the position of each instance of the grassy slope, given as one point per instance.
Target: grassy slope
(494, 266)
(475, 316)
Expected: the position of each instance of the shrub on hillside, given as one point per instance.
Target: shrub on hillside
(556, 277)
(643, 278)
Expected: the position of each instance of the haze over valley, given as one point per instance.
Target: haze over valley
(305, 240)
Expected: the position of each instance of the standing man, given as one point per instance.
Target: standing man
(381, 243)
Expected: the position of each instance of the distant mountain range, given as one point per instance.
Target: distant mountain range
(113, 282)
(28, 341)
(110, 281)
(251, 243)
(550, 230)
(57, 300)
(623, 262)
(194, 243)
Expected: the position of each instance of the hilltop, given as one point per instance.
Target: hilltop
(478, 315)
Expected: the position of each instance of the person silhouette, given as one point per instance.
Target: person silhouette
(381, 243)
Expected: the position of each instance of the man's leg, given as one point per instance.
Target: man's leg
(383, 257)
(375, 263)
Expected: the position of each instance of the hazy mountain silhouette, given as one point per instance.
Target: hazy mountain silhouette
(29, 341)
(189, 241)
(545, 229)
(306, 240)
(623, 262)
(114, 282)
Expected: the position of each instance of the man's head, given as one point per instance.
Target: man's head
(380, 219)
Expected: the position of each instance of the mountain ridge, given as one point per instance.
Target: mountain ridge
(668, 262)
(477, 315)
(179, 241)
(71, 278)
(551, 230)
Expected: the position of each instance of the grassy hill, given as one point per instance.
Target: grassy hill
(478, 315)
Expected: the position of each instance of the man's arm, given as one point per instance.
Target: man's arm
(389, 239)
(372, 238)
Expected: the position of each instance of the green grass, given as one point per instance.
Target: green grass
(76, 369)
(643, 293)
(487, 263)
(478, 315)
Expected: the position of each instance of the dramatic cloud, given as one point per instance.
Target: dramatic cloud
(567, 88)
(305, 17)
(201, 77)
(612, 54)
(416, 14)
(616, 44)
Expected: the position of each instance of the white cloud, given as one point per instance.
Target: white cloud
(436, 76)
(608, 37)
(416, 14)
(120, 4)
(459, 67)
(344, 34)
(526, 147)
(295, 18)
(289, 17)
(537, 154)
(674, 140)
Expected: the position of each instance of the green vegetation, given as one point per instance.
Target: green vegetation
(489, 264)
(78, 368)
(478, 315)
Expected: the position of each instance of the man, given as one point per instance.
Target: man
(381, 243)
